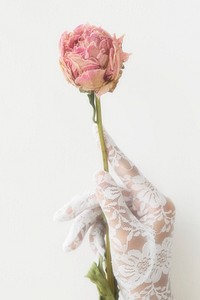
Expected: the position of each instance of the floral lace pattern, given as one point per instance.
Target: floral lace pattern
(141, 223)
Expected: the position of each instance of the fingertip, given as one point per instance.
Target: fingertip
(55, 217)
(66, 248)
(96, 238)
(70, 244)
(58, 216)
(99, 176)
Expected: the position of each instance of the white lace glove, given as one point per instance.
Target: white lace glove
(140, 223)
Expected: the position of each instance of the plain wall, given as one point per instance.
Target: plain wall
(47, 149)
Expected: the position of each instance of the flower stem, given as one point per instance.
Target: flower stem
(110, 276)
(101, 136)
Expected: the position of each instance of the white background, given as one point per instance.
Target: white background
(47, 149)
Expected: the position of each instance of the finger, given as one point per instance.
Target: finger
(123, 167)
(147, 194)
(79, 228)
(96, 238)
(112, 202)
(76, 206)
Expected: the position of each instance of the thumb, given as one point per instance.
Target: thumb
(109, 196)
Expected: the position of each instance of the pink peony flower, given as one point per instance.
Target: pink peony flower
(92, 59)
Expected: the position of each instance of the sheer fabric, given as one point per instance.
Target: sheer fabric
(141, 223)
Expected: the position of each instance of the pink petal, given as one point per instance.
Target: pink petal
(105, 88)
(91, 80)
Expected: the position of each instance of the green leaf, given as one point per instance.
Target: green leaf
(97, 275)
(91, 100)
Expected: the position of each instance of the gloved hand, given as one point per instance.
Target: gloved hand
(140, 221)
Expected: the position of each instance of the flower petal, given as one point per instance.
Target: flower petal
(91, 80)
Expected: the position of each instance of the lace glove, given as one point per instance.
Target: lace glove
(140, 223)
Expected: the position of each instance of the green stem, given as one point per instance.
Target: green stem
(110, 276)
(101, 136)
